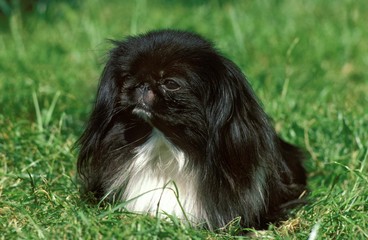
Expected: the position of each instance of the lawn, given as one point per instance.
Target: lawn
(306, 60)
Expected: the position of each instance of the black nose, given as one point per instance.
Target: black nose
(144, 87)
(147, 95)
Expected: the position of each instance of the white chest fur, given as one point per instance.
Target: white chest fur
(158, 181)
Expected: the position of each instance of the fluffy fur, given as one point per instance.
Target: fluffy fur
(177, 129)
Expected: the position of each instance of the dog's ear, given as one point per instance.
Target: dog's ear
(240, 147)
(249, 119)
(97, 125)
(239, 129)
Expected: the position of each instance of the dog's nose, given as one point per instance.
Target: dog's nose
(147, 94)
(144, 87)
(148, 97)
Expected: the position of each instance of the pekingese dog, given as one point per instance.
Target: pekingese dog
(176, 129)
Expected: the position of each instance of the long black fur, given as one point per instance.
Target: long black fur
(215, 119)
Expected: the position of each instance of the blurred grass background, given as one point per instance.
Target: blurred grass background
(306, 60)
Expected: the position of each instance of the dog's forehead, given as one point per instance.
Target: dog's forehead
(157, 64)
(145, 73)
(161, 58)
(146, 65)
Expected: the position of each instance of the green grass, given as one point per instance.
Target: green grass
(307, 62)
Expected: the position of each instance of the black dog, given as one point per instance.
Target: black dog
(176, 129)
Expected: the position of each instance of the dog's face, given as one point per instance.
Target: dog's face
(170, 84)
(158, 93)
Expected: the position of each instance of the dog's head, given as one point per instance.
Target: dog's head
(177, 82)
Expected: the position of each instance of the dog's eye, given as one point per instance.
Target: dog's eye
(171, 85)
